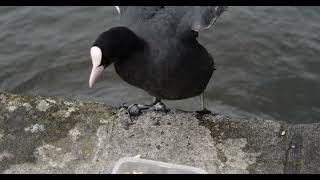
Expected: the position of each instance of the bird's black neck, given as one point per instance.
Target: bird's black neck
(119, 43)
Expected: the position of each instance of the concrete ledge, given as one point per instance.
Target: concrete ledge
(55, 135)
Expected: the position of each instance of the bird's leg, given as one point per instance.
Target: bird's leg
(155, 101)
(202, 102)
(204, 110)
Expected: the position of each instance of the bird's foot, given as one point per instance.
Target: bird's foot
(160, 107)
(134, 109)
(137, 109)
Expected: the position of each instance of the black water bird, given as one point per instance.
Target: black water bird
(156, 49)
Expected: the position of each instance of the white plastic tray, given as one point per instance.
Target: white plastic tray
(130, 165)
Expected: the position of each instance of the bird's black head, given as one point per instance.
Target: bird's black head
(116, 44)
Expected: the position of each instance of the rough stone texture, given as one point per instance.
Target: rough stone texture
(55, 135)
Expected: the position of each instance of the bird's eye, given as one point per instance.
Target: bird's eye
(96, 56)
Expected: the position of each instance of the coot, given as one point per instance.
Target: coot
(156, 49)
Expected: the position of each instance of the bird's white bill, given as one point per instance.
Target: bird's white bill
(95, 74)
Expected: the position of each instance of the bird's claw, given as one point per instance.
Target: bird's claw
(123, 106)
(134, 110)
(160, 107)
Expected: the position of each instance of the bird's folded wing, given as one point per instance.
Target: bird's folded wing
(203, 17)
(133, 13)
(195, 17)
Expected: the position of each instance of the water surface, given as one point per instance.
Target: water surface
(267, 59)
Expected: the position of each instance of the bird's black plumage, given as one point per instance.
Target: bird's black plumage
(157, 50)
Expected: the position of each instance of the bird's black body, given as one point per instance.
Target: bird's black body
(176, 70)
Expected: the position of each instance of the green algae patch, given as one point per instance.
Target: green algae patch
(27, 123)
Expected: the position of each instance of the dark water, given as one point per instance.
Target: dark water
(267, 59)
